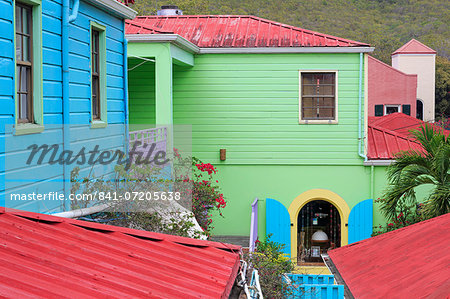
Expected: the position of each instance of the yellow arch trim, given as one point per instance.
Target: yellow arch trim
(317, 194)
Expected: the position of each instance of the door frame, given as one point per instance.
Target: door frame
(317, 194)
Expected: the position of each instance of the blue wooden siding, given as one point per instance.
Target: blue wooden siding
(278, 224)
(46, 178)
(360, 221)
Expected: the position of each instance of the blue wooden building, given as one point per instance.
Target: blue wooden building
(62, 63)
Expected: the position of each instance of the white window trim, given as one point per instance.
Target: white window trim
(399, 108)
(317, 121)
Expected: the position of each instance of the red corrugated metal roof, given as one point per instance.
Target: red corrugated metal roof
(414, 47)
(390, 134)
(53, 257)
(383, 144)
(402, 123)
(133, 27)
(229, 31)
(412, 262)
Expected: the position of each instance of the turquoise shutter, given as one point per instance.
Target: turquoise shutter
(278, 223)
(360, 221)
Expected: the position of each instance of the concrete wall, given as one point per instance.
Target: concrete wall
(424, 66)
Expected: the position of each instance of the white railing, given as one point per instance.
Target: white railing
(146, 138)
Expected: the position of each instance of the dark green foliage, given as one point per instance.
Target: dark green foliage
(271, 264)
(414, 169)
(442, 89)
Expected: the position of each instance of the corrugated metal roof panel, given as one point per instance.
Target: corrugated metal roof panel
(132, 27)
(402, 123)
(52, 257)
(412, 262)
(384, 144)
(234, 31)
(390, 134)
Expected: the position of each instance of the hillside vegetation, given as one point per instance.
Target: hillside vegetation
(385, 24)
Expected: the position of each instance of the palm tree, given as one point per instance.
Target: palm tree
(416, 168)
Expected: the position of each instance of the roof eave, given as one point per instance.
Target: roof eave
(270, 50)
(175, 39)
(191, 47)
(116, 7)
(380, 162)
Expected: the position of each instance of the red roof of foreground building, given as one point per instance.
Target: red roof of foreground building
(234, 31)
(53, 257)
(412, 262)
(414, 47)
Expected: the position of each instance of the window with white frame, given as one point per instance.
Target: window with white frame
(318, 97)
(389, 109)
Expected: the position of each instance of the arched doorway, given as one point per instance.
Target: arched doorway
(419, 109)
(320, 197)
(318, 230)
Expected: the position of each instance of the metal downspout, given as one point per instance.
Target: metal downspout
(372, 180)
(125, 89)
(66, 18)
(73, 16)
(360, 117)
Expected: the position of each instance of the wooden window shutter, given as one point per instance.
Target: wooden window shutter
(406, 109)
(379, 110)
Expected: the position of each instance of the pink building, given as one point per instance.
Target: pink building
(390, 90)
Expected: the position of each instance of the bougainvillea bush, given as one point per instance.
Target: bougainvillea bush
(407, 214)
(206, 195)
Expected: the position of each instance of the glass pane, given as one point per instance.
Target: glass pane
(307, 78)
(18, 76)
(326, 90)
(23, 113)
(94, 63)
(309, 113)
(308, 103)
(26, 49)
(326, 113)
(18, 19)
(23, 80)
(328, 102)
(308, 90)
(327, 78)
(19, 47)
(95, 96)
(25, 18)
(390, 110)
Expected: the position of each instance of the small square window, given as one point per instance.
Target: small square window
(389, 109)
(318, 97)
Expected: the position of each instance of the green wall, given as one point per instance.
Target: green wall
(248, 104)
(243, 183)
(141, 92)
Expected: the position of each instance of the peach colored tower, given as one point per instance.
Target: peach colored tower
(416, 58)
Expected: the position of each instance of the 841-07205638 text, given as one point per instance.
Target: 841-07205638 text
(131, 195)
